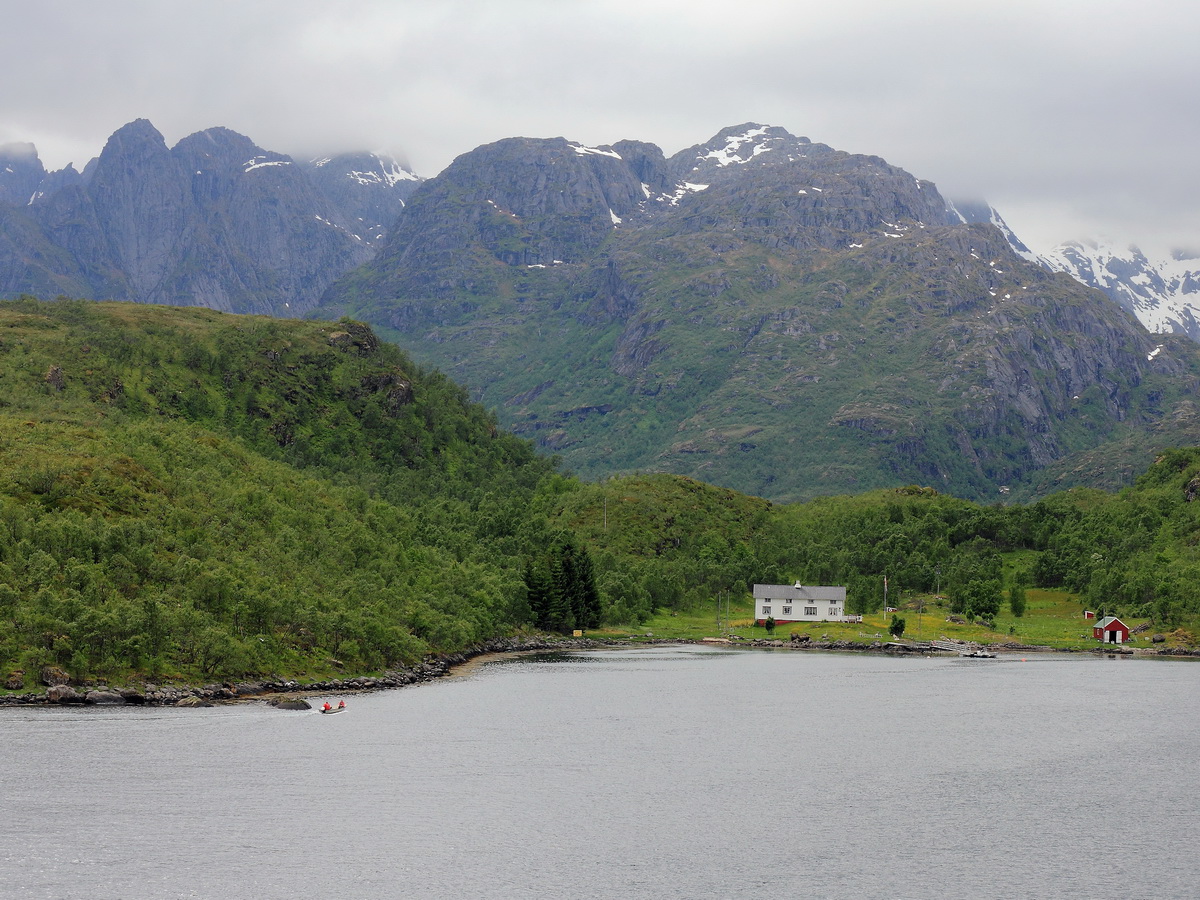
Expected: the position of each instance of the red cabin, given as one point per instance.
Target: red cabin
(1111, 630)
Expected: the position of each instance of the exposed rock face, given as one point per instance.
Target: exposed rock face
(789, 191)
(139, 199)
(53, 676)
(295, 704)
(395, 385)
(516, 203)
(63, 693)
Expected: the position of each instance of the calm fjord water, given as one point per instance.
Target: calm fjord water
(669, 772)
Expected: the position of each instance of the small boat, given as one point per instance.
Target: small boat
(330, 710)
(978, 654)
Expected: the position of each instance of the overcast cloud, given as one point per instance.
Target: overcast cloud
(1075, 119)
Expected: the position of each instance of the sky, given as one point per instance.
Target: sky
(1076, 120)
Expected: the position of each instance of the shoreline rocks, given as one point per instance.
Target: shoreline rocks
(289, 694)
(207, 695)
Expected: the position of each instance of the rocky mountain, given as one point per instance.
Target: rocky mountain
(766, 313)
(20, 173)
(1163, 293)
(979, 212)
(369, 189)
(214, 221)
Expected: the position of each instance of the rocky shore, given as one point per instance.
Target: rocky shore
(284, 693)
(288, 694)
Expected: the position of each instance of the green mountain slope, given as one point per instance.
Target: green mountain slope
(767, 314)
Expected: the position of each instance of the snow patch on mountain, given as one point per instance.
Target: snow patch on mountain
(595, 151)
(732, 153)
(682, 190)
(262, 162)
(387, 172)
(1164, 294)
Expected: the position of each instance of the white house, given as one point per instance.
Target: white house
(800, 603)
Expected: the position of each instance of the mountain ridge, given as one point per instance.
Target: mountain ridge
(768, 314)
(758, 309)
(214, 221)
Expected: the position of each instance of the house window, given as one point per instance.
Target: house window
(766, 611)
(787, 610)
(810, 610)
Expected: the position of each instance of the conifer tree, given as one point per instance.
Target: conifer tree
(560, 616)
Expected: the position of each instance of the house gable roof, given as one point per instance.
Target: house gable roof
(800, 593)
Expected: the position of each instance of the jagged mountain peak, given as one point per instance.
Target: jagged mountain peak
(215, 220)
(140, 133)
(220, 142)
(21, 172)
(1162, 292)
(228, 152)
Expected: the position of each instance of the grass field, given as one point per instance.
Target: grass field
(1052, 619)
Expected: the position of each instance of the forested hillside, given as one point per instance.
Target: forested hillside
(668, 541)
(190, 494)
(183, 491)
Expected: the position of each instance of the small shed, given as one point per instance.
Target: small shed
(1111, 630)
(1088, 614)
